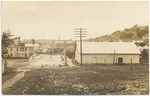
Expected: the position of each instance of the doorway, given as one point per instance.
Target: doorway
(120, 60)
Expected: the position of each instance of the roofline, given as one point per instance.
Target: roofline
(110, 53)
(20, 47)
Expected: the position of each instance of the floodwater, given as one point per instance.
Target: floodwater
(35, 62)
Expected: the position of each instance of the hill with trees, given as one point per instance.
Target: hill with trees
(128, 34)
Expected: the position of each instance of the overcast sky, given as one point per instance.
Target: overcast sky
(47, 20)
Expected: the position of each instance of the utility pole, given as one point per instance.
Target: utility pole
(105, 62)
(65, 53)
(114, 58)
(80, 32)
(131, 65)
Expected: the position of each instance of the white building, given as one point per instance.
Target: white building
(19, 51)
(105, 52)
(137, 41)
(36, 46)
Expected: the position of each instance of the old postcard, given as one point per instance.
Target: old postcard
(75, 47)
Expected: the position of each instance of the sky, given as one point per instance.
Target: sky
(51, 19)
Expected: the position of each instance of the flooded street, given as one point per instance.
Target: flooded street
(35, 62)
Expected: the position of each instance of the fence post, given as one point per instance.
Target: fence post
(116, 63)
(105, 62)
(131, 65)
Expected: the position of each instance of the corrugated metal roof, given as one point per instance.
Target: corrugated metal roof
(108, 48)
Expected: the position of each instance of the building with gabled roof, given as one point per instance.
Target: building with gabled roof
(107, 52)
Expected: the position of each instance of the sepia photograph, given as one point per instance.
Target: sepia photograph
(75, 47)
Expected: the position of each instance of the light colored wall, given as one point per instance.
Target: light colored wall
(108, 58)
(14, 52)
(29, 50)
(21, 54)
(77, 55)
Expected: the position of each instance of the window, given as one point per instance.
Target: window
(21, 49)
(10, 49)
(17, 49)
(25, 49)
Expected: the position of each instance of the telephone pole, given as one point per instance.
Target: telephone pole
(80, 32)
(65, 53)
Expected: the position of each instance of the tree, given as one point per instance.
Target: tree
(6, 41)
(145, 56)
(146, 42)
(142, 44)
(33, 41)
(142, 32)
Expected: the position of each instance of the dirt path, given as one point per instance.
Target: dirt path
(13, 80)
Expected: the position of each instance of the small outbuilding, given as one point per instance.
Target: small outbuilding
(107, 52)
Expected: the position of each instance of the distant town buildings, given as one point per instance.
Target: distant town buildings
(35, 46)
(61, 45)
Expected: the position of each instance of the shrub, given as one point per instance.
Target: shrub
(126, 35)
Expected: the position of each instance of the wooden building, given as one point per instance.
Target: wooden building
(107, 52)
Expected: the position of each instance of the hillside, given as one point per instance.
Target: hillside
(134, 33)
